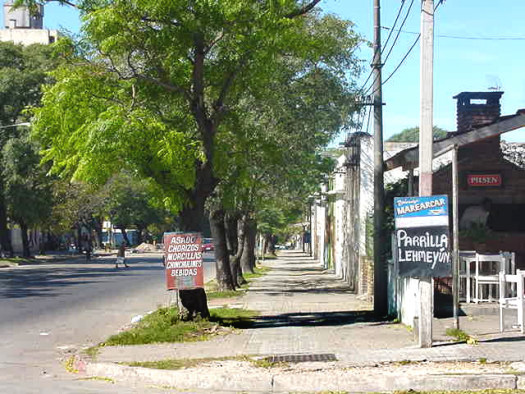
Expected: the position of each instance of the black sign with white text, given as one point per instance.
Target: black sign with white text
(423, 251)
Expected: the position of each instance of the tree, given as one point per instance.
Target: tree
(22, 71)
(151, 87)
(412, 134)
(26, 187)
(76, 206)
(129, 203)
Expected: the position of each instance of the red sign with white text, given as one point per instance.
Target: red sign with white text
(484, 180)
(183, 259)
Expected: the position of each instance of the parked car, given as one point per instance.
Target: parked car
(207, 245)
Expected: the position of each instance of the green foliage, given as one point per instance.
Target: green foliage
(129, 202)
(90, 131)
(460, 336)
(75, 204)
(412, 134)
(169, 91)
(397, 189)
(22, 71)
(26, 187)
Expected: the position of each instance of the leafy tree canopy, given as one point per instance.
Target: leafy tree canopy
(155, 87)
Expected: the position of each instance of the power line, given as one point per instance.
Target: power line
(387, 39)
(393, 44)
(402, 60)
(406, 54)
(395, 22)
(462, 37)
(399, 32)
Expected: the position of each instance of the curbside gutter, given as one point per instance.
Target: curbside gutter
(238, 376)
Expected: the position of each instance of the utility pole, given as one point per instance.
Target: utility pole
(426, 293)
(380, 268)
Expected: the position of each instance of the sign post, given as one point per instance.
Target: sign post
(183, 258)
(422, 237)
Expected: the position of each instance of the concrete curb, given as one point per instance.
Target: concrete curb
(345, 381)
(226, 380)
(234, 378)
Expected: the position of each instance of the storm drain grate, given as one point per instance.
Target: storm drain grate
(301, 358)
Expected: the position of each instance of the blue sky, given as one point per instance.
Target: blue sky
(459, 64)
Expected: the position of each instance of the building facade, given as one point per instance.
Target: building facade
(22, 27)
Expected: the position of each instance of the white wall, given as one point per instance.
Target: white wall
(29, 36)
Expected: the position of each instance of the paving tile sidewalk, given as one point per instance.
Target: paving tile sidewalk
(306, 310)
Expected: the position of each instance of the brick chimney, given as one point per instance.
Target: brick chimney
(475, 109)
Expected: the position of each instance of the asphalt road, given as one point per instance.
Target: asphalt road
(47, 312)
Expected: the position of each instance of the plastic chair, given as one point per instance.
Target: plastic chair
(485, 275)
(466, 257)
(513, 301)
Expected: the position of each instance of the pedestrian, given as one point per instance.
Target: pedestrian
(121, 255)
(86, 244)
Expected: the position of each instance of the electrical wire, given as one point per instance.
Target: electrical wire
(387, 39)
(391, 47)
(399, 32)
(464, 37)
(406, 55)
(395, 22)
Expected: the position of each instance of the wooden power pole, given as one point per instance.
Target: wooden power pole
(380, 267)
(426, 294)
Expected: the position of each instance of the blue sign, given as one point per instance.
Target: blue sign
(421, 211)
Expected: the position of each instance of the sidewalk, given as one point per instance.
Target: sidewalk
(309, 315)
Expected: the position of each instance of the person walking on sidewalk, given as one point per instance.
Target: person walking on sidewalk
(121, 255)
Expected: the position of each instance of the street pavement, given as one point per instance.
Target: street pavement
(50, 311)
(309, 314)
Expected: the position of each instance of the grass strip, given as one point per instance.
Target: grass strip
(164, 325)
(212, 291)
(175, 364)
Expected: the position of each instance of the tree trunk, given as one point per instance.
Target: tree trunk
(5, 242)
(139, 234)
(194, 300)
(5, 239)
(222, 258)
(124, 234)
(78, 238)
(230, 225)
(248, 254)
(26, 252)
(98, 231)
(192, 214)
(236, 259)
(270, 244)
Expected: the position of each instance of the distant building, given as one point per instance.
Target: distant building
(23, 28)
